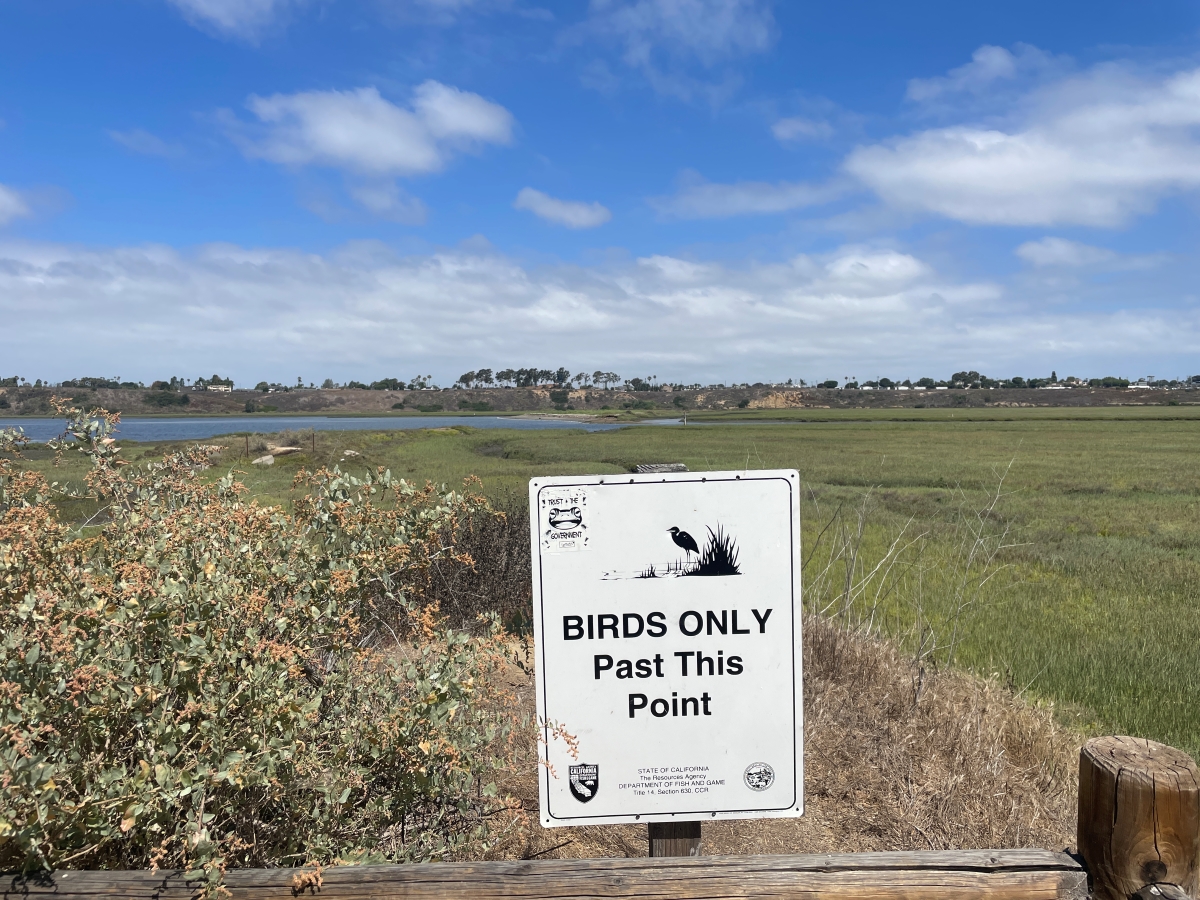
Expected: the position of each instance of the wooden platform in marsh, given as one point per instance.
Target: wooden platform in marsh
(1092, 603)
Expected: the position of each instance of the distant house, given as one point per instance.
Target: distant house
(224, 388)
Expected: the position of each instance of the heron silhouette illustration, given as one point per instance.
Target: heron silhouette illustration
(684, 540)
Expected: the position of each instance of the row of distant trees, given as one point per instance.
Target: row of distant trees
(94, 383)
(562, 378)
(973, 379)
(487, 378)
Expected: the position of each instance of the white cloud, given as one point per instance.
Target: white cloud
(708, 30)
(662, 39)
(12, 205)
(364, 311)
(700, 199)
(446, 12)
(1052, 251)
(1060, 253)
(460, 117)
(570, 213)
(237, 18)
(988, 64)
(374, 140)
(145, 143)
(386, 200)
(876, 269)
(364, 133)
(800, 128)
(1096, 149)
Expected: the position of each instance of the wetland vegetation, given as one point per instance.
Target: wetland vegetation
(1091, 536)
(1052, 552)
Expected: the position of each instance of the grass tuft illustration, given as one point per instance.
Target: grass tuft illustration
(648, 573)
(719, 556)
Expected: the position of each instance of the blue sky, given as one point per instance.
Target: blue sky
(703, 190)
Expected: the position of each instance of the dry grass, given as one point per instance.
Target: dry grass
(893, 762)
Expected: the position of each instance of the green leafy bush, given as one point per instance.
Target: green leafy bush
(207, 683)
(166, 399)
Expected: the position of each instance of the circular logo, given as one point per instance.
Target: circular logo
(759, 776)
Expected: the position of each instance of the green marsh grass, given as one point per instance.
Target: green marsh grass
(1083, 588)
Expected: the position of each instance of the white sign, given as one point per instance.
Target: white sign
(667, 619)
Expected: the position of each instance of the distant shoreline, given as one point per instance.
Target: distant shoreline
(585, 404)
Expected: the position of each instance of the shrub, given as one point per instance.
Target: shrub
(166, 399)
(399, 405)
(92, 383)
(205, 682)
(252, 407)
(430, 407)
(477, 406)
(491, 574)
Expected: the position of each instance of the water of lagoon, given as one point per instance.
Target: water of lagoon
(204, 427)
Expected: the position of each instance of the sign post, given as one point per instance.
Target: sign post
(667, 620)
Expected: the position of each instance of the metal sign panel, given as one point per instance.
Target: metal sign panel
(667, 619)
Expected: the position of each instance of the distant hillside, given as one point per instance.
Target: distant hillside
(36, 401)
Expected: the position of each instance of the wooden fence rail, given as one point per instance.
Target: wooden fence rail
(1139, 836)
(982, 874)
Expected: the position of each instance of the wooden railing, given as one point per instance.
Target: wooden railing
(1139, 837)
(996, 875)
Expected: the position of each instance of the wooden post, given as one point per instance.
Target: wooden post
(674, 838)
(1139, 819)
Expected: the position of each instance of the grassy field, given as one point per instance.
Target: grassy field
(1078, 587)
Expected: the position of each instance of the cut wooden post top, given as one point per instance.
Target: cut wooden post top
(1140, 758)
(1139, 818)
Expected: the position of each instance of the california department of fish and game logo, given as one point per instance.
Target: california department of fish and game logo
(585, 781)
(759, 776)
